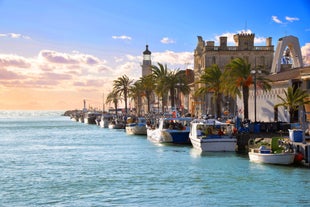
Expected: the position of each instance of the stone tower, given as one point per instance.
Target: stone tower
(207, 53)
(147, 62)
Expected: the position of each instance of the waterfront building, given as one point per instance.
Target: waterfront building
(287, 70)
(206, 54)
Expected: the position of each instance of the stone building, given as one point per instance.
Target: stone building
(206, 54)
(285, 67)
(286, 70)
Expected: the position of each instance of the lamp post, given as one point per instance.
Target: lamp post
(254, 72)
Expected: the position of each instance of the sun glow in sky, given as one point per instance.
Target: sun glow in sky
(54, 54)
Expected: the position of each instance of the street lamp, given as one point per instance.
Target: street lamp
(254, 72)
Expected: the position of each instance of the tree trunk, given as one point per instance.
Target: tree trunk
(218, 105)
(245, 91)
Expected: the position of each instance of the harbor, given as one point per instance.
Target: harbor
(298, 140)
(49, 160)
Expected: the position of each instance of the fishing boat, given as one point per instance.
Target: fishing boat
(116, 123)
(136, 126)
(170, 130)
(210, 135)
(276, 150)
(90, 117)
(105, 119)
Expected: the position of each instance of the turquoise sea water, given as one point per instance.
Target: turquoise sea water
(48, 160)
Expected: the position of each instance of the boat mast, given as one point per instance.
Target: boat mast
(103, 105)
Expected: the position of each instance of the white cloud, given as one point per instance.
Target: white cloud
(63, 68)
(174, 60)
(287, 18)
(15, 36)
(167, 40)
(276, 20)
(291, 19)
(230, 37)
(305, 51)
(122, 37)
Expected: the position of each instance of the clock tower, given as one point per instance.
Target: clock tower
(147, 62)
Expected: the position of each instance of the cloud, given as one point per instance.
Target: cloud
(167, 40)
(291, 19)
(15, 36)
(52, 69)
(122, 37)
(174, 60)
(9, 75)
(230, 37)
(65, 58)
(13, 61)
(276, 20)
(305, 51)
(287, 18)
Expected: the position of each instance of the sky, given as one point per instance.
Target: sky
(54, 54)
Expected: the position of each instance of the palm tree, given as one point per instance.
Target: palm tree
(293, 100)
(136, 92)
(114, 98)
(183, 85)
(147, 85)
(211, 82)
(176, 80)
(121, 87)
(167, 80)
(160, 74)
(237, 79)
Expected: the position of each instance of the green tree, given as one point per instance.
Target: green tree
(160, 74)
(210, 82)
(114, 98)
(293, 99)
(169, 80)
(148, 86)
(136, 93)
(121, 86)
(237, 79)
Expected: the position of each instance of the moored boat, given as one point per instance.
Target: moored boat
(90, 117)
(276, 150)
(170, 130)
(116, 123)
(136, 126)
(105, 119)
(211, 135)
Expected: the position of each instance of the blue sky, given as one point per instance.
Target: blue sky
(78, 47)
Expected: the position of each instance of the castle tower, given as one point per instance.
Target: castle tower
(244, 41)
(147, 62)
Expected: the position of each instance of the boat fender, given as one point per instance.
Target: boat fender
(299, 157)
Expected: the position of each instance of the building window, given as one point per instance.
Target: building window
(213, 60)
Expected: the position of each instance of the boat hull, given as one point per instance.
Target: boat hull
(214, 145)
(270, 158)
(136, 129)
(168, 136)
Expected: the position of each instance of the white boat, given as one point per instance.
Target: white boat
(116, 124)
(90, 117)
(271, 151)
(170, 130)
(105, 120)
(210, 135)
(136, 126)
